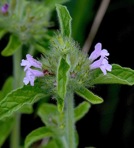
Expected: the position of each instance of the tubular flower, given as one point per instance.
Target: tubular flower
(4, 8)
(30, 61)
(31, 74)
(102, 62)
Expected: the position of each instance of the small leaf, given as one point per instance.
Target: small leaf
(13, 44)
(64, 20)
(49, 114)
(81, 110)
(5, 129)
(118, 75)
(62, 77)
(89, 96)
(36, 135)
(41, 133)
(16, 99)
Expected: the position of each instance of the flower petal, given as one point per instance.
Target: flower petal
(96, 53)
(104, 53)
(105, 66)
(36, 73)
(33, 61)
(31, 74)
(97, 63)
(25, 80)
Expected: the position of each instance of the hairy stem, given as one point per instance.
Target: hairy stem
(70, 124)
(15, 135)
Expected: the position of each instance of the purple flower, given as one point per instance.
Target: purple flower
(96, 53)
(102, 62)
(31, 74)
(4, 8)
(30, 61)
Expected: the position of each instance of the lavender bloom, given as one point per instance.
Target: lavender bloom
(105, 66)
(31, 74)
(4, 8)
(98, 52)
(29, 78)
(30, 61)
(102, 62)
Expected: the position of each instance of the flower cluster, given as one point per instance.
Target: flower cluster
(102, 62)
(31, 74)
(33, 68)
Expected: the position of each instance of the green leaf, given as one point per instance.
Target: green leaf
(2, 33)
(62, 78)
(5, 129)
(76, 138)
(89, 96)
(64, 20)
(1, 95)
(118, 75)
(13, 44)
(27, 109)
(81, 110)
(40, 133)
(36, 135)
(7, 87)
(60, 104)
(16, 99)
(51, 144)
(49, 114)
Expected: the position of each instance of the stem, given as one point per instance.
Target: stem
(17, 68)
(70, 124)
(15, 135)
